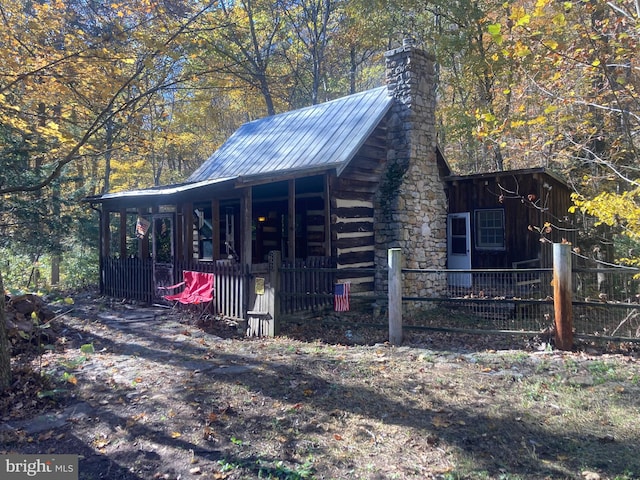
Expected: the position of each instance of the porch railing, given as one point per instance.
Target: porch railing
(133, 278)
(127, 278)
(230, 285)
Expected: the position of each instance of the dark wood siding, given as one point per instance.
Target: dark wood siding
(529, 200)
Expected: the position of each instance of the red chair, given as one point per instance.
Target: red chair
(198, 291)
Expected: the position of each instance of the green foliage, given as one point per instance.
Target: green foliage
(79, 269)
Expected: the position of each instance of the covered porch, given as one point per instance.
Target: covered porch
(226, 227)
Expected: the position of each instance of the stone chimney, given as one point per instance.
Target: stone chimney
(412, 203)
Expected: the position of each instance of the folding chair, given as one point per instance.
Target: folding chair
(198, 291)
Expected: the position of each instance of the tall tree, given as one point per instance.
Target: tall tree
(241, 39)
(58, 91)
(313, 23)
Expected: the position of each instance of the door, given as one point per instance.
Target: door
(163, 251)
(459, 248)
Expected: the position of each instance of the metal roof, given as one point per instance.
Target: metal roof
(154, 191)
(325, 135)
(503, 173)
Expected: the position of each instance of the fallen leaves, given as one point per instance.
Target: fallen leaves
(101, 443)
(356, 402)
(440, 422)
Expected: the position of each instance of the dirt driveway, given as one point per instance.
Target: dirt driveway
(140, 394)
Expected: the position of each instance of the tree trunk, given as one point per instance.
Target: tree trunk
(56, 260)
(5, 356)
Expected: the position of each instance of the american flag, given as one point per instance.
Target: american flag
(341, 297)
(142, 225)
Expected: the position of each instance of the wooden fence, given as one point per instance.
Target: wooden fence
(306, 285)
(133, 278)
(230, 285)
(604, 303)
(130, 278)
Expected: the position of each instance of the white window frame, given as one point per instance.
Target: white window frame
(498, 231)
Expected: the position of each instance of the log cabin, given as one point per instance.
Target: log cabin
(342, 181)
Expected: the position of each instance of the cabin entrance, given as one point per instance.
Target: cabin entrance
(459, 248)
(163, 250)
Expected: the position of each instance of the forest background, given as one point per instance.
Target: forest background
(98, 96)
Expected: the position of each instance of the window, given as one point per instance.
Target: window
(490, 229)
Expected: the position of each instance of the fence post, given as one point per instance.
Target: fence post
(275, 262)
(395, 296)
(562, 296)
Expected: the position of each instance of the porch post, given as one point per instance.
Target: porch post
(291, 254)
(327, 217)
(215, 228)
(178, 234)
(247, 223)
(105, 243)
(395, 295)
(275, 261)
(187, 228)
(123, 233)
(143, 243)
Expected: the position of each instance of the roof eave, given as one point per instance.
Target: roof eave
(156, 192)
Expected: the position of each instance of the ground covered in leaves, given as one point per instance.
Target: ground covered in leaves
(144, 393)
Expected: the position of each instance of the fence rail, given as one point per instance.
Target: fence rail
(230, 285)
(127, 278)
(605, 302)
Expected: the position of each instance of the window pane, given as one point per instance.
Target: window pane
(490, 229)
(459, 245)
(458, 226)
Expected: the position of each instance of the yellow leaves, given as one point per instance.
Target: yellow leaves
(101, 443)
(539, 8)
(613, 209)
(485, 116)
(494, 30)
(539, 120)
(521, 50)
(551, 44)
(519, 16)
(559, 20)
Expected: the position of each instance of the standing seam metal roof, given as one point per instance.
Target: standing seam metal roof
(328, 134)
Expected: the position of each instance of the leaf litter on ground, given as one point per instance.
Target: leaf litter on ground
(153, 400)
